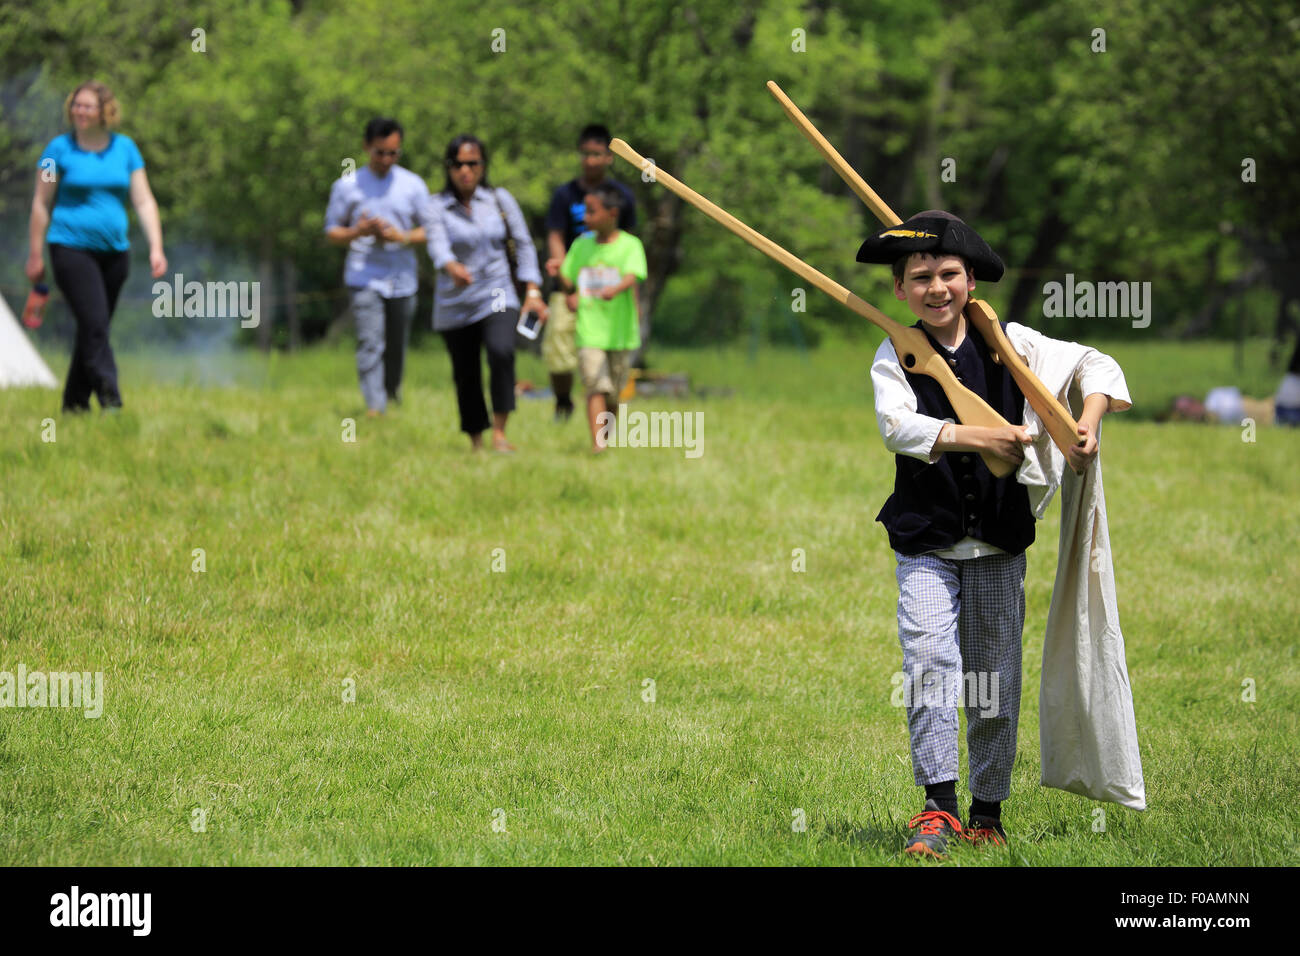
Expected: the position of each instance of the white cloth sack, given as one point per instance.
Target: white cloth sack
(1087, 730)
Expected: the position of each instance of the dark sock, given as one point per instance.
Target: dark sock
(981, 808)
(562, 386)
(944, 794)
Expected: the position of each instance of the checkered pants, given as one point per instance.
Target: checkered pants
(960, 625)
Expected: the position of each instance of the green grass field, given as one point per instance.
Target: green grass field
(499, 717)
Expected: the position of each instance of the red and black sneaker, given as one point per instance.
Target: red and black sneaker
(934, 827)
(981, 830)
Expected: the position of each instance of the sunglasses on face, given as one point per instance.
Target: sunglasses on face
(458, 163)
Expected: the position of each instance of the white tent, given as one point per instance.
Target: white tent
(20, 363)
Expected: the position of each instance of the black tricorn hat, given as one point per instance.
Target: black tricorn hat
(938, 233)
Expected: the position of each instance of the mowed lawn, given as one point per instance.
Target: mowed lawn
(508, 716)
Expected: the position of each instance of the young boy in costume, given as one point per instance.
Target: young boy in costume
(601, 271)
(959, 533)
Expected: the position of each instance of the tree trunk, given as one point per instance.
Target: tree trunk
(1052, 231)
(289, 278)
(663, 237)
(930, 157)
(1206, 320)
(266, 278)
(663, 229)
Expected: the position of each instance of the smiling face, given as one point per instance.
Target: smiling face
(935, 288)
(467, 169)
(85, 110)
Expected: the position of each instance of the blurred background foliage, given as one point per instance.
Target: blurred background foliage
(1125, 163)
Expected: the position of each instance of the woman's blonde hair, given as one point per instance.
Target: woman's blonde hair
(109, 112)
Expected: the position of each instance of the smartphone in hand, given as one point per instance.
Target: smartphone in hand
(530, 325)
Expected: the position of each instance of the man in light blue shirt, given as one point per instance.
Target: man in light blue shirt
(377, 213)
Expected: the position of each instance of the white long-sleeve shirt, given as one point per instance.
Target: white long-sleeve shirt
(906, 431)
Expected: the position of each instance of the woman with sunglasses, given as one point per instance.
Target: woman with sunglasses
(476, 304)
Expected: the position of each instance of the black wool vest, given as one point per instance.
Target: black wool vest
(935, 506)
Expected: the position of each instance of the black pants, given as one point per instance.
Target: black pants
(497, 332)
(90, 281)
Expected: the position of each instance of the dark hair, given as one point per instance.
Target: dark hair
(595, 133)
(381, 128)
(609, 197)
(900, 265)
(453, 149)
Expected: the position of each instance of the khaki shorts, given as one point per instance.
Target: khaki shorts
(559, 344)
(603, 371)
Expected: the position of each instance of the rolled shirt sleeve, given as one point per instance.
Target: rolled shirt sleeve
(905, 430)
(1100, 373)
(1093, 371)
(435, 232)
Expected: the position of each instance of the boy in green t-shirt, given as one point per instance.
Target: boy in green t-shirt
(600, 273)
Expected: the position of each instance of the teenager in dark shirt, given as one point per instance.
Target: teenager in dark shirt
(564, 223)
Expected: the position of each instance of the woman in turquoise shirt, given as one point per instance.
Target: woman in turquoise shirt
(84, 179)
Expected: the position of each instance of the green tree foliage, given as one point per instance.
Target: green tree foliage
(1117, 164)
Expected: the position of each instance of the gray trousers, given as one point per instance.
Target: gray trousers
(960, 625)
(383, 330)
